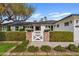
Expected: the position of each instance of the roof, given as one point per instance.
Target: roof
(66, 17)
(20, 23)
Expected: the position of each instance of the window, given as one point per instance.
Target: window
(32, 27)
(71, 22)
(76, 21)
(51, 28)
(16, 28)
(66, 24)
(77, 26)
(8, 28)
(23, 27)
(37, 28)
(4, 28)
(46, 26)
(27, 26)
(58, 25)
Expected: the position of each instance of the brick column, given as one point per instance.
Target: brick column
(46, 36)
(29, 36)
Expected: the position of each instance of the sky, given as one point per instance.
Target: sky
(53, 11)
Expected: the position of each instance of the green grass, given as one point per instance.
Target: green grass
(4, 47)
(61, 36)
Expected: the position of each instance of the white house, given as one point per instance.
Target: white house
(39, 31)
(69, 23)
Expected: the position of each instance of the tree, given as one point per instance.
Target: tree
(16, 11)
(22, 11)
(45, 18)
(2, 9)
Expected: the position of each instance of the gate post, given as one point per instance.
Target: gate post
(29, 35)
(46, 36)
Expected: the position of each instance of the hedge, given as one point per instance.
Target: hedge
(12, 36)
(18, 36)
(2, 36)
(60, 48)
(32, 49)
(73, 47)
(45, 48)
(61, 36)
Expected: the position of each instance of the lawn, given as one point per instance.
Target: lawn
(4, 47)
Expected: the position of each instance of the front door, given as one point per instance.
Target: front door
(37, 28)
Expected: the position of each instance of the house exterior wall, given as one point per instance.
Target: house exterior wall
(62, 27)
(42, 27)
(13, 28)
(76, 29)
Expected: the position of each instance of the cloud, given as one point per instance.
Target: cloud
(57, 15)
(50, 16)
(61, 14)
(53, 13)
(38, 15)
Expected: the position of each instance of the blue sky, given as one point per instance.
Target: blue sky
(53, 11)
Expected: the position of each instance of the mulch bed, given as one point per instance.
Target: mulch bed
(53, 53)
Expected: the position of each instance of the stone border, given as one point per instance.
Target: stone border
(9, 41)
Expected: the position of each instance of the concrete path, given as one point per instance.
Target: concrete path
(52, 44)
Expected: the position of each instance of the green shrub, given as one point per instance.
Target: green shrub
(61, 36)
(45, 48)
(60, 48)
(15, 36)
(2, 36)
(33, 49)
(26, 41)
(74, 48)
